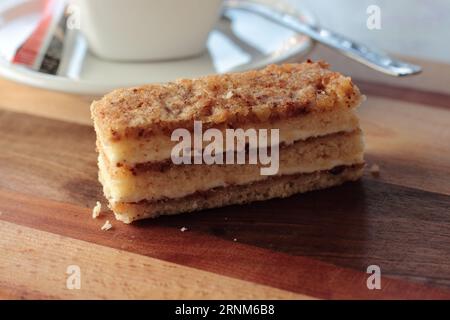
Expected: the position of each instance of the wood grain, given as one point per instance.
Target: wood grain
(405, 94)
(45, 103)
(350, 227)
(260, 256)
(409, 142)
(49, 158)
(33, 264)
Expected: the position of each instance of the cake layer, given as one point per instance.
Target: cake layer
(158, 147)
(122, 184)
(274, 187)
(312, 107)
(236, 99)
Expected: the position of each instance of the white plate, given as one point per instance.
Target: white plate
(241, 42)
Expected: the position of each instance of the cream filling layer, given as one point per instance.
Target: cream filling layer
(159, 147)
(319, 154)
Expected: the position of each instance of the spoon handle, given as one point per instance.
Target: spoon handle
(374, 59)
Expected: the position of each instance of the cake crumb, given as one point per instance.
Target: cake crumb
(229, 95)
(183, 229)
(375, 170)
(106, 226)
(96, 211)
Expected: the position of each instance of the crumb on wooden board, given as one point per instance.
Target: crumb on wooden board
(374, 170)
(96, 210)
(106, 226)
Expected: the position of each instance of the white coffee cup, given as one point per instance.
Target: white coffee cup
(139, 30)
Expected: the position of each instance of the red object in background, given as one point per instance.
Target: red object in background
(29, 50)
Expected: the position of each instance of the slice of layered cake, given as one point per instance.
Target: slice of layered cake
(166, 149)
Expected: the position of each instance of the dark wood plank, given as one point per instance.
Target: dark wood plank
(404, 231)
(48, 158)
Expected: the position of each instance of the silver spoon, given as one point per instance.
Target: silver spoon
(374, 59)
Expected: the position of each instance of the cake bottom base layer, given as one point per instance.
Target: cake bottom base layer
(276, 187)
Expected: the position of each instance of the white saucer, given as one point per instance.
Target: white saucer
(242, 41)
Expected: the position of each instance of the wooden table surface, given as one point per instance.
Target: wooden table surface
(315, 245)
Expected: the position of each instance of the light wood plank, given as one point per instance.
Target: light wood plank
(33, 264)
(45, 103)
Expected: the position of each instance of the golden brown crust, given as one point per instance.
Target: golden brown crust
(273, 93)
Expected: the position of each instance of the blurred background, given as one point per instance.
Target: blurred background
(414, 30)
(417, 28)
